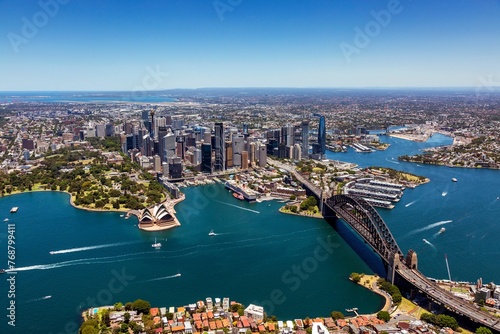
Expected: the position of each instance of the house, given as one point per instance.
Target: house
(255, 312)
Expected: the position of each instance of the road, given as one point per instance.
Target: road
(451, 302)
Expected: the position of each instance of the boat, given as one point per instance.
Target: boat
(442, 230)
(156, 245)
(238, 196)
(453, 179)
(211, 233)
(6, 220)
(14, 209)
(122, 216)
(2, 271)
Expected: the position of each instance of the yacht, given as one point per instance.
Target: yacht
(6, 220)
(156, 245)
(211, 233)
(14, 209)
(454, 180)
(442, 230)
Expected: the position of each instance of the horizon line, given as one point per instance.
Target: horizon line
(258, 87)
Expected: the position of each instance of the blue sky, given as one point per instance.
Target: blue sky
(132, 45)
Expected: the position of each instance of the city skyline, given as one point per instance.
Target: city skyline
(56, 45)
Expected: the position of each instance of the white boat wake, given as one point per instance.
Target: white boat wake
(429, 243)
(428, 227)
(162, 278)
(82, 249)
(394, 162)
(38, 299)
(238, 207)
(411, 203)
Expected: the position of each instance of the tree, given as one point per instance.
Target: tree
(293, 197)
(384, 315)
(337, 315)
(141, 306)
(444, 320)
(126, 317)
(483, 330)
(128, 306)
(355, 277)
(105, 318)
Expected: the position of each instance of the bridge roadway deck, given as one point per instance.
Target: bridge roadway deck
(451, 302)
(313, 188)
(414, 277)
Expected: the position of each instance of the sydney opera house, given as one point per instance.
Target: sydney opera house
(156, 218)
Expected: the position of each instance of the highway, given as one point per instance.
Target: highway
(313, 188)
(451, 302)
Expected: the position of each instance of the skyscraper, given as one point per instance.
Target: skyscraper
(238, 148)
(220, 161)
(162, 132)
(322, 135)
(305, 139)
(206, 158)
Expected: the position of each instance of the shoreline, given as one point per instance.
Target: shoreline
(299, 214)
(374, 288)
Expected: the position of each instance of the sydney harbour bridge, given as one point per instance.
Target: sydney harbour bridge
(367, 223)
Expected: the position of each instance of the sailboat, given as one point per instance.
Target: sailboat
(211, 233)
(156, 245)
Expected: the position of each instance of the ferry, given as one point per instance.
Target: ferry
(238, 196)
(14, 209)
(454, 180)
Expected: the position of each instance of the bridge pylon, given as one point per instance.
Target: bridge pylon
(392, 266)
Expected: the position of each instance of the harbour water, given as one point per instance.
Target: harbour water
(294, 266)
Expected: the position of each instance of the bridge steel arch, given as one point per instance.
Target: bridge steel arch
(366, 221)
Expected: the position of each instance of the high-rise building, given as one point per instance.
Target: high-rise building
(181, 147)
(262, 155)
(206, 158)
(100, 130)
(305, 139)
(110, 130)
(162, 132)
(229, 153)
(297, 152)
(157, 163)
(175, 168)
(244, 160)
(238, 148)
(220, 161)
(252, 153)
(322, 135)
(170, 146)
